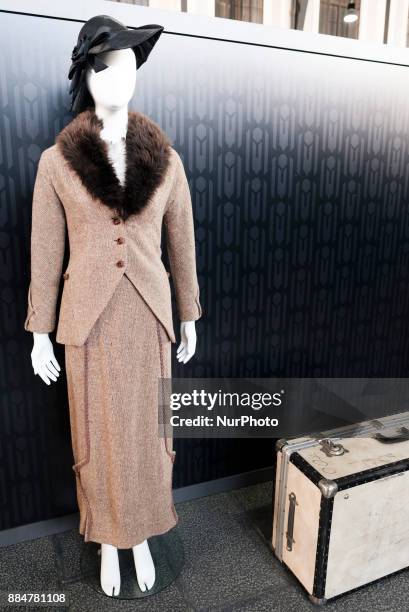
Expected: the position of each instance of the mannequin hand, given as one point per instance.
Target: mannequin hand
(43, 359)
(187, 346)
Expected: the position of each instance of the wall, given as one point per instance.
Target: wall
(297, 164)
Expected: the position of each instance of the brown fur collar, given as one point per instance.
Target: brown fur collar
(147, 158)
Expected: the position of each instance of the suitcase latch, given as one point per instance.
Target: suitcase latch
(331, 448)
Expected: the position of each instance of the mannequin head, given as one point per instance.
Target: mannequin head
(98, 37)
(113, 87)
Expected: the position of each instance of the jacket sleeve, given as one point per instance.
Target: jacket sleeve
(180, 242)
(47, 253)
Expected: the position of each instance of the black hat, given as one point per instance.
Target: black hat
(99, 34)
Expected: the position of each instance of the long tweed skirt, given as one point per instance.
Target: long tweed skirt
(123, 467)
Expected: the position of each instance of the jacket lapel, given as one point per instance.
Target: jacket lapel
(147, 158)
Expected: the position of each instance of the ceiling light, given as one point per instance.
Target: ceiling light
(351, 15)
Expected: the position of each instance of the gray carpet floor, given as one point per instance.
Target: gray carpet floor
(228, 566)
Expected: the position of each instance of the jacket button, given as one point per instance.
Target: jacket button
(120, 240)
(116, 220)
(120, 263)
(65, 275)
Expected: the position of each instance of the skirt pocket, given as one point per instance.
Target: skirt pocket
(164, 345)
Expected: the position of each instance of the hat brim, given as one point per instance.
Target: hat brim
(141, 40)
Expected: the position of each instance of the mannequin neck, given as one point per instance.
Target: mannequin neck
(115, 122)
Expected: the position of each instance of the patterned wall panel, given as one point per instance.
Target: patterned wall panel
(298, 167)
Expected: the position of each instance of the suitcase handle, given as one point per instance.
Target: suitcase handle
(397, 435)
(290, 523)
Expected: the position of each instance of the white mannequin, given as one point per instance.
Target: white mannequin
(111, 90)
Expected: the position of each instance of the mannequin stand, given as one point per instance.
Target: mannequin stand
(168, 556)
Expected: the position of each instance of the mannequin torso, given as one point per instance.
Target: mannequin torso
(116, 152)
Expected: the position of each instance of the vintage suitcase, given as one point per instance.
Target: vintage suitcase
(341, 508)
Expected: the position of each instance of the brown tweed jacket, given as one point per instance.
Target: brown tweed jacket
(111, 228)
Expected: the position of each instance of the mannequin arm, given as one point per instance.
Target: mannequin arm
(47, 252)
(180, 240)
(43, 359)
(187, 346)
